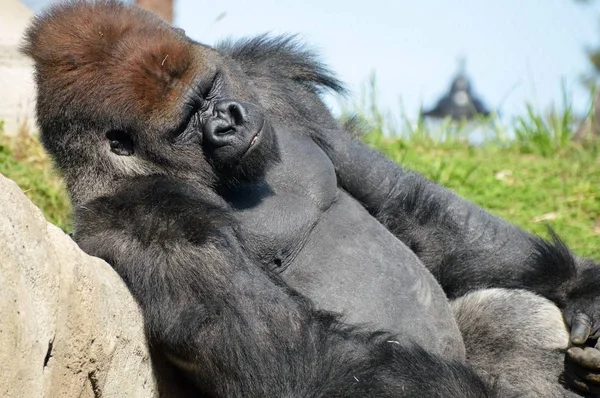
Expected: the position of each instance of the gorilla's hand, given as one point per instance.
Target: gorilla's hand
(582, 362)
(582, 315)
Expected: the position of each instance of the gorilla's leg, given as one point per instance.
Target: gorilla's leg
(516, 336)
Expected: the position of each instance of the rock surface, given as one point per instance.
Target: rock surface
(68, 325)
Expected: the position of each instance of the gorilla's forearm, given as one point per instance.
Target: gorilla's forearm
(233, 328)
(218, 317)
(461, 244)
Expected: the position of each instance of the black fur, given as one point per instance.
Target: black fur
(235, 329)
(279, 59)
(239, 255)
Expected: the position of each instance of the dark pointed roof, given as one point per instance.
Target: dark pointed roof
(460, 102)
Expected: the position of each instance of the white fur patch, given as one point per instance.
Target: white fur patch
(538, 319)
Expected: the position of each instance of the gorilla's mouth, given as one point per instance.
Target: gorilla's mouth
(254, 140)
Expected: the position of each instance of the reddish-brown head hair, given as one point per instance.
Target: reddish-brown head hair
(104, 57)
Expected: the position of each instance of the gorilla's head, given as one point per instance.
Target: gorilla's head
(121, 94)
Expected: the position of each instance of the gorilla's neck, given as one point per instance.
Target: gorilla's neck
(86, 185)
(253, 167)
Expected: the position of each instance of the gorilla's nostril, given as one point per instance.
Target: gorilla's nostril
(231, 111)
(229, 119)
(236, 113)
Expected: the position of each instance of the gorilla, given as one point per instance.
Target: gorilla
(274, 255)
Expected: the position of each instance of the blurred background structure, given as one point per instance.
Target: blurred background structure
(460, 103)
(164, 8)
(16, 73)
(519, 51)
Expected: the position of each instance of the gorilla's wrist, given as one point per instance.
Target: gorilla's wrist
(582, 296)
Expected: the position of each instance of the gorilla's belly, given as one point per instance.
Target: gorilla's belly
(353, 265)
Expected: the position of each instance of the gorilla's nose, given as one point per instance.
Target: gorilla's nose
(230, 110)
(228, 117)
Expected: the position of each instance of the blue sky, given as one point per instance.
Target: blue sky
(515, 50)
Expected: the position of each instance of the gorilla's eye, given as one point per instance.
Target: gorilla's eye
(190, 124)
(210, 89)
(121, 142)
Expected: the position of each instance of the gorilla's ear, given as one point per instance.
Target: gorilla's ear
(121, 142)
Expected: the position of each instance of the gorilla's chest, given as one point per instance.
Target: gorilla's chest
(276, 216)
(305, 175)
(324, 244)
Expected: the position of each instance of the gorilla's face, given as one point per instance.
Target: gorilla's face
(218, 123)
(213, 123)
(133, 96)
(234, 133)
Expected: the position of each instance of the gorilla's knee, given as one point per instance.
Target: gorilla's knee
(515, 336)
(515, 318)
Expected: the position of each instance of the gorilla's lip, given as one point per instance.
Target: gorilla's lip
(255, 138)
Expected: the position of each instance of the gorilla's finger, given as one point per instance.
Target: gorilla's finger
(578, 379)
(587, 357)
(580, 385)
(580, 328)
(589, 376)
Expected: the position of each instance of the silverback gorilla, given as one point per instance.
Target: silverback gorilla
(244, 220)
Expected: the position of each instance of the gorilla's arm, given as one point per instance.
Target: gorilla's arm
(465, 247)
(230, 326)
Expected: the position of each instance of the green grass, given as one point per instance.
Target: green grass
(530, 190)
(23, 160)
(537, 178)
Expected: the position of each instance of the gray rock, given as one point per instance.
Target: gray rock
(68, 325)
